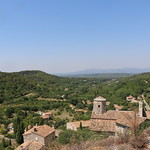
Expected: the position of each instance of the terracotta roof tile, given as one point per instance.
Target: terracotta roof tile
(47, 113)
(76, 110)
(30, 145)
(118, 107)
(103, 125)
(43, 130)
(122, 117)
(45, 117)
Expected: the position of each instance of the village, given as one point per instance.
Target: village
(113, 122)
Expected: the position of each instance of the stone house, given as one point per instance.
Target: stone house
(75, 125)
(112, 121)
(42, 135)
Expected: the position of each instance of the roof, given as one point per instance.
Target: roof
(107, 103)
(100, 98)
(30, 145)
(47, 113)
(76, 124)
(126, 118)
(134, 101)
(103, 125)
(130, 96)
(80, 110)
(118, 107)
(43, 130)
(45, 117)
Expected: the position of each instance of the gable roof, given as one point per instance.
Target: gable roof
(103, 125)
(126, 118)
(30, 145)
(118, 107)
(43, 130)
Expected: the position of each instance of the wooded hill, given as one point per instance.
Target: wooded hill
(41, 84)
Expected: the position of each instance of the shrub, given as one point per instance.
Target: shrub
(65, 136)
(139, 142)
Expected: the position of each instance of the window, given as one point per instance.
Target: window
(98, 106)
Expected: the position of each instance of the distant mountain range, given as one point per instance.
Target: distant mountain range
(105, 71)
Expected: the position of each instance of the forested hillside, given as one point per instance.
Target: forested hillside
(136, 85)
(23, 94)
(15, 85)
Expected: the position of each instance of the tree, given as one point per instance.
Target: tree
(3, 143)
(81, 126)
(16, 124)
(20, 131)
(80, 105)
(8, 112)
(9, 142)
(65, 136)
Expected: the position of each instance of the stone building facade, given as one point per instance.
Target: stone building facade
(112, 121)
(99, 105)
(75, 125)
(42, 135)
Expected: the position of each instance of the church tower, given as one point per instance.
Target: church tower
(140, 108)
(99, 105)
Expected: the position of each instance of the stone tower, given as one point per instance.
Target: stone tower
(99, 105)
(140, 109)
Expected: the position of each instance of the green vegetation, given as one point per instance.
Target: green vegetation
(6, 145)
(144, 126)
(22, 94)
(81, 135)
(30, 91)
(15, 86)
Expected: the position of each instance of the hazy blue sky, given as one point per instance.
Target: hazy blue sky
(71, 35)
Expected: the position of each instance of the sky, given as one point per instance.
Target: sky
(58, 36)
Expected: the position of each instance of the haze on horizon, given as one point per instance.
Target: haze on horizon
(67, 36)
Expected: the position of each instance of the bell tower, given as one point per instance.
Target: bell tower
(140, 108)
(99, 105)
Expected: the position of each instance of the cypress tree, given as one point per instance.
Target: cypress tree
(16, 124)
(9, 143)
(20, 131)
(81, 126)
(3, 143)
